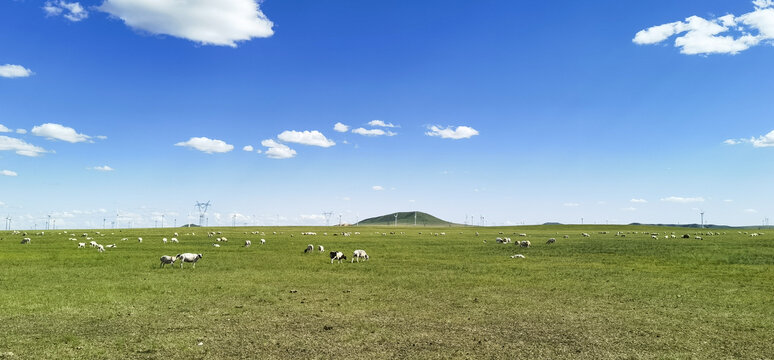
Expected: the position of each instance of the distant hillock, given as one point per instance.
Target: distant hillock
(190, 225)
(406, 219)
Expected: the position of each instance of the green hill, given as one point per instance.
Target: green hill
(406, 219)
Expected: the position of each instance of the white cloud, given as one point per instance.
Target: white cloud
(4, 129)
(727, 34)
(72, 11)
(8, 173)
(461, 132)
(571, 204)
(58, 132)
(312, 217)
(206, 145)
(340, 127)
(21, 131)
(377, 188)
(248, 148)
(20, 147)
(101, 137)
(380, 123)
(751, 211)
(639, 201)
(631, 208)
(373, 132)
(762, 4)
(759, 142)
(278, 150)
(683, 200)
(209, 22)
(313, 138)
(732, 142)
(763, 141)
(14, 71)
(728, 201)
(103, 168)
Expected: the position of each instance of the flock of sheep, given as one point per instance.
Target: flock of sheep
(192, 258)
(339, 256)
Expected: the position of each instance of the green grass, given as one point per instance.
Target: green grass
(420, 296)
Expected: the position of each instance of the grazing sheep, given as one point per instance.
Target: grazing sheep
(337, 255)
(686, 236)
(166, 259)
(100, 248)
(81, 245)
(359, 254)
(321, 248)
(188, 257)
(586, 235)
(93, 243)
(525, 243)
(139, 240)
(176, 235)
(174, 240)
(26, 241)
(551, 241)
(309, 248)
(566, 236)
(263, 241)
(517, 256)
(698, 237)
(216, 245)
(164, 240)
(111, 246)
(248, 243)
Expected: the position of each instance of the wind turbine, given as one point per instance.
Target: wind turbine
(702, 218)
(396, 219)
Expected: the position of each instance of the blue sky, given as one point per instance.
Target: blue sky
(519, 112)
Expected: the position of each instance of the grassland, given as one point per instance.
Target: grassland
(420, 296)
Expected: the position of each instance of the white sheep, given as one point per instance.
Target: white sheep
(166, 259)
(81, 245)
(525, 243)
(100, 248)
(551, 241)
(359, 254)
(216, 245)
(321, 248)
(309, 248)
(139, 239)
(174, 240)
(111, 246)
(248, 243)
(26, 241)
(517, 256)
(263, 241)
(93, 243)
(188, 257)
(164, 240)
